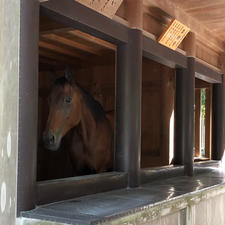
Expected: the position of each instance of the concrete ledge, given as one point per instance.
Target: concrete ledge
(174, 199)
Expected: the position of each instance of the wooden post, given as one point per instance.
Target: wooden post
(28, 105)
(184, 110)
(218, 122)
(128, 107)
(190, 48)
(190, 44)
(189, 118)
(135, 13)
(184, 117)
(218, 117)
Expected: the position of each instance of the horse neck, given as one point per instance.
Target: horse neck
(88, 124)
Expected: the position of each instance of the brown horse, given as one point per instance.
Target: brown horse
(75, 116)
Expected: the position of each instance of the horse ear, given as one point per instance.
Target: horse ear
(69, 75)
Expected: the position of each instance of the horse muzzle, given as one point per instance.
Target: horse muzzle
(50, 141)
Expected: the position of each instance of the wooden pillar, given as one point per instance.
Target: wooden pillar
(135, 13)
(189, 118)
(184, 109)
(28, 105)
(190, 48)
(218, 121)
(218, 116)
(184, 117)
(190, 44)
(128, 107)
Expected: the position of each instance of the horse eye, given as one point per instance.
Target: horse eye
(68, 100)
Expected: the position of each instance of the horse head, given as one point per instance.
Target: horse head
(64, 110)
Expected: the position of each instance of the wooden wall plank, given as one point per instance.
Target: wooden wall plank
(208, 123)
(197, 121)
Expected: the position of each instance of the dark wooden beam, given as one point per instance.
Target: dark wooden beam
(161, 54)
(80, 17)
(207, 74)
(62, 189)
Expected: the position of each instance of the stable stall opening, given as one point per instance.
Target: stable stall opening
(203, 120)
(158, 94)
(70, 58)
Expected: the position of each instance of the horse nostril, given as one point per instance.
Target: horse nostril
(48, 139)
(51, 139)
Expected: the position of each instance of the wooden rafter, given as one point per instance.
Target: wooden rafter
(60, 49)
(93, 39)
(71, 43)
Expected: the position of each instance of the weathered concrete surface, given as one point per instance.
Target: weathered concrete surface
(180, 200)
(9, 60)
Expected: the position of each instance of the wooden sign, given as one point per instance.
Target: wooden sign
(105, 7)
(174, 34)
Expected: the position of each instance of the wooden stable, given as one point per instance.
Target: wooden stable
(150, 93)
(93, 62)
(153, 85)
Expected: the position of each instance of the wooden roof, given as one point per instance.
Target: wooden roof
(211, 13)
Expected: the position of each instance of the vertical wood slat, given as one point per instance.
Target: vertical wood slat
(164, 121)
(208, 123)
(167, 103)
(128, 107)
(197, 121)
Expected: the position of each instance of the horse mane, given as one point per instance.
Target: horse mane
(95, 107)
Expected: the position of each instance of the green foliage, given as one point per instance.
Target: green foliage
(203, 101)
